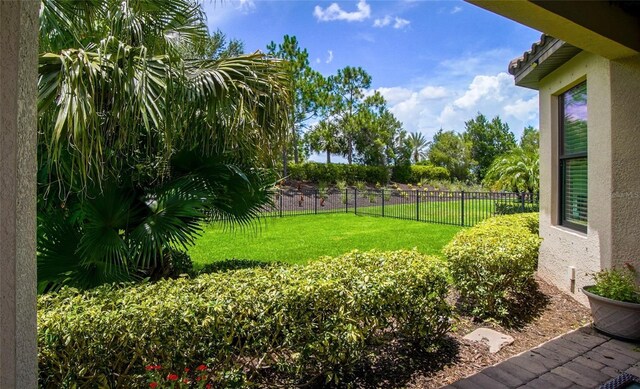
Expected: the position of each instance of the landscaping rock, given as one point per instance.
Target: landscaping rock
(494, 339)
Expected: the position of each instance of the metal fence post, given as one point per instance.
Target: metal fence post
(281, 200)
(415, 192)
(315, 201)
(355, 201)
(524, 194)
(462, 208)
(346, 200)
(382, 202)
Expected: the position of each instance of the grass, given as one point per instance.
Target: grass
(298, 239)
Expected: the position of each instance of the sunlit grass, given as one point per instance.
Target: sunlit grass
(298, 239)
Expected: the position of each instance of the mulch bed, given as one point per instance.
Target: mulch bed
(396, 367)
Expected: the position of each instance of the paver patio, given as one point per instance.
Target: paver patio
(583, 358)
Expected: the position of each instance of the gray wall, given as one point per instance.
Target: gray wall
(18, 88)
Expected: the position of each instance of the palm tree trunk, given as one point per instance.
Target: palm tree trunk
(295, 145)
(328, 156)
(285, 167)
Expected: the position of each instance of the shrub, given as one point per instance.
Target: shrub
(492, 266)
(529, 220)
(617, 284)
(417, 173)
(511, 207)
(331, 173)
(428, 172)
(305, 321)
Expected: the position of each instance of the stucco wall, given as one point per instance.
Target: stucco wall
(625, 163)
(613, 234)
(18, 90)
(563, 247)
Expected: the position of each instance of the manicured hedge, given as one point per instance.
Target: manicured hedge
(299, 321)
(492, 265)
(415, 173)
(330, 173)
(511, 207)
(529, 220)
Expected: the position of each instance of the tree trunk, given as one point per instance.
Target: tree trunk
(285, 167)
(328, 156)
(295, 146)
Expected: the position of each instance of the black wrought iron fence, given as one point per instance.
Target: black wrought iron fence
(442, 207)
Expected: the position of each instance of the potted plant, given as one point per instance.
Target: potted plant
(615, 302)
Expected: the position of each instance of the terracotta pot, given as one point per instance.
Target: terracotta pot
(617, 318)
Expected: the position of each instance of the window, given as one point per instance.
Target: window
(573, 158)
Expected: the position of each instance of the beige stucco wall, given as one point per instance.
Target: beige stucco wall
(613, 93)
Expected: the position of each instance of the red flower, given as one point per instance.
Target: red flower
(186, 381)
(149, 367)
(157, 367)
(172, 377)
(153, 385)
(186, 369)
(209, 386)
(201, 368)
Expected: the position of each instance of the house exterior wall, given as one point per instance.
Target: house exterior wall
(613, 90)
(18, 92)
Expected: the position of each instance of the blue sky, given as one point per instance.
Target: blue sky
(437, 63)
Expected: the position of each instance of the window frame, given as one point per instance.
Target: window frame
(562, 161)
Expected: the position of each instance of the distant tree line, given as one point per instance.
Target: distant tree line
(340, 115)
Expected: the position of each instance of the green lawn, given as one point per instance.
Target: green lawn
(298, 239)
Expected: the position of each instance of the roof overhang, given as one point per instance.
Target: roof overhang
(607, 28)
(543, 58)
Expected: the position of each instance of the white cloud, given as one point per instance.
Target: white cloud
(401, 23)
(398, 23)
(330, 57)
(334, 12)
(523, 109)
(455, 10)
(427, 107)
(246, 5)
(483, 87)
(318, 60)
(382, 22)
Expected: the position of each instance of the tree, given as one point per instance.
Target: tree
(347, 90)
(530, 139)
(418, 145)
(139, 144)
(488, 140)
(323, 137)
(305, 85)
(517, 171)
(376, 129)
(451, 151)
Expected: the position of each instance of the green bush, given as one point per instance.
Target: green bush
(617, 284)
(332, 173)
(492, 266)
(416, 173)
(529, 220)
(300, 321)
(428, 172)
(511, 207)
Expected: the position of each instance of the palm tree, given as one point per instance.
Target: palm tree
(127, 98)
(517, 170)
(418, 145)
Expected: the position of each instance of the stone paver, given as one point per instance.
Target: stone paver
(494, 339)
(580, 359)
